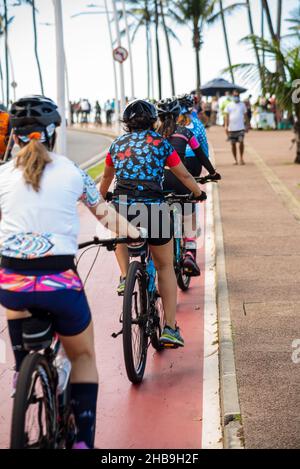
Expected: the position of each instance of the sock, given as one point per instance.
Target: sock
(84, 403)
(15, 333)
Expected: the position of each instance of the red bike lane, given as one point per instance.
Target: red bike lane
(166, 410)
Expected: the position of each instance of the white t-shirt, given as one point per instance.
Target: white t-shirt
(37, 224)
(236, 112)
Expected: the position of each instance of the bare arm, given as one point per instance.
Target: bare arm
(109, 173)
(186, 178)
(226, 121)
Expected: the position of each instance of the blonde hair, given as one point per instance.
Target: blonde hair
(183, 120)
(33, 158)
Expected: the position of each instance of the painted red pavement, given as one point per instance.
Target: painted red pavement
(165, 411)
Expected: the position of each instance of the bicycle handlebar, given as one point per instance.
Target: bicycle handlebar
(109, 243)
(208, 178)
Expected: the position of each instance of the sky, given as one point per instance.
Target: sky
(89, 57)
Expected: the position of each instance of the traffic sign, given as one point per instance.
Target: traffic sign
(120, 54)
(14, 84)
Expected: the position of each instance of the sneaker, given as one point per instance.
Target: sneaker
(14, 384)
(121, 286)
(80, 445)
(171, 337)
(190, 266)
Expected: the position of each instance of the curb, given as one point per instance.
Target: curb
(230, 406)
(105, 133)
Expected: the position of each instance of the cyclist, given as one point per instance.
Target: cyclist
(137, 159)
(39, 191)
(5, 131)
(189, 118)
(180, 137)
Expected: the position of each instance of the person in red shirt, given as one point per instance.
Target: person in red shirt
(138, 159)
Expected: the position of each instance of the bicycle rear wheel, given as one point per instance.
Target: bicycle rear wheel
(135, 340)
(34, 411)
(183, 280)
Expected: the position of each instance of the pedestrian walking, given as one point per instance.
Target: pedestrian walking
(236, 123)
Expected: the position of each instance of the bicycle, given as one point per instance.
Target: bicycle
(143, 314)
(44, 384)
(183, 280)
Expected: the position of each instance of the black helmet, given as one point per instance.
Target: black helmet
(186, 101)
(140, 108)
(168, 106)
(33, 113)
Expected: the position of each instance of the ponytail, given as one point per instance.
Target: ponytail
(33, 158)
(166, 126)
(184, 120)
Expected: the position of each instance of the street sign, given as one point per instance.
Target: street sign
(14, 84)
(120, 54)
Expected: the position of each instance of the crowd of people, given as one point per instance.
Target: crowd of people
(82, 112)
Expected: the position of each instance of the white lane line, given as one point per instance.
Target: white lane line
(211, 418)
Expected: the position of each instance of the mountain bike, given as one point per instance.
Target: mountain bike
(42, 416)
(143, 315)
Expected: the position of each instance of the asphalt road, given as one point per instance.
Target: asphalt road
(84, 146)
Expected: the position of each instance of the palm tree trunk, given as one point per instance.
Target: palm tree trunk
(148, 58)
(197, 46)
(297, 136)
(36, 46)
(157, 50)
(6, 53)
(168, 47)
(226, 40)
(269, 19)
(279, 17)
(254, 43)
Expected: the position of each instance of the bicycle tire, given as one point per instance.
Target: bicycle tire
(183, 281)
(135, 277)
(34, 362)
(160, 318)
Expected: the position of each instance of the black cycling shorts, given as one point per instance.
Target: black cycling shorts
(155, 218)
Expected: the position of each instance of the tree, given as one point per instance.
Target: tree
(286, 90)
(294, 22)
(145, 13)
(227, 11)
(34, 10)
(195, 13)
(163, 20)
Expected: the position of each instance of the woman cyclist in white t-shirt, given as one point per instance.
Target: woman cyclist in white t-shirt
(39, 191)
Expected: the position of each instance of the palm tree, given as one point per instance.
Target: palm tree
(288, 97)
(195, 13)
(221, 14)
(6, 52)
(163, 19)
(145, 13)
(229, 10)
(34, 10)
(294, 21)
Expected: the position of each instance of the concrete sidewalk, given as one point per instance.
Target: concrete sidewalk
(260, 208)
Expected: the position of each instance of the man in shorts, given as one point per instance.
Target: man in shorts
(236, 124)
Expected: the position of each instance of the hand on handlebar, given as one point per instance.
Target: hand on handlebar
(215, 177)
(199, 198)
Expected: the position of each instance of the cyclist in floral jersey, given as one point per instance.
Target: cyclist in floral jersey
(138, 159)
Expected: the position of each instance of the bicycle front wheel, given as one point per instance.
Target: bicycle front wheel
(135, 340)
(34, 411)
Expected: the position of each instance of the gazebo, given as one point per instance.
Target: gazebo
(219, 86)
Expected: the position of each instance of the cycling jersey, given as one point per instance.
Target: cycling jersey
(139, 159)
(181, 138)
(45, 223)
(199, 131)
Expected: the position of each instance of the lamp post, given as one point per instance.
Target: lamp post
(129, 48)
(60, 74)
(122, 82)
